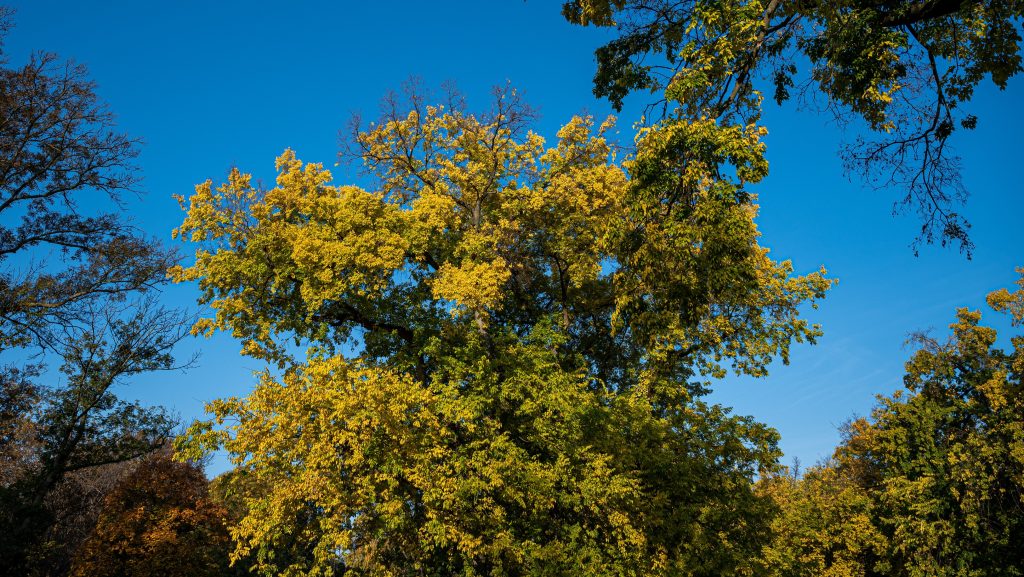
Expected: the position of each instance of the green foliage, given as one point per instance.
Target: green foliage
(906, 68)
(824, 527)
(933, 483)
(507, 345)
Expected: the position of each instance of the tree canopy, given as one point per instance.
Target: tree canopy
(905, 69)
(508, 342)
(60, 151)
(72, 284)
(933, 482)
(158, 520)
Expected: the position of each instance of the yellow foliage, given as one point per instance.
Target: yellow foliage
(505, 344)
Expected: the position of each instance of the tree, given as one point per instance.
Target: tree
(58, 148)
(159, 520)
(233, 490)
(72, 509)
(81, 424)
(508, 343)
(72, 284)
(825, 526)
(905, 68)
(936, 475)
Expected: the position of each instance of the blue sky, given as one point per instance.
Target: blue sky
(210, 85)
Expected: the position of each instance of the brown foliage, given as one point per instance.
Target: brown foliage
(159, 520)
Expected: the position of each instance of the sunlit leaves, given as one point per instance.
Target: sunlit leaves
(906, 70)
(506, 344)
(932, 483)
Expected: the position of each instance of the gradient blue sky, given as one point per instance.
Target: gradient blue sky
(210, 85)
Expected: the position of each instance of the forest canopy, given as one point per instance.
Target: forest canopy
(504, 348)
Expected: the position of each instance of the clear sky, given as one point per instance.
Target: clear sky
(214, 84)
